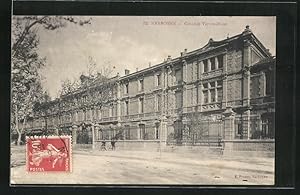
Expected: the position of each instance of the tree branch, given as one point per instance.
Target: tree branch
(16, 45)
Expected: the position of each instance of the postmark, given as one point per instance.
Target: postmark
(48, 154)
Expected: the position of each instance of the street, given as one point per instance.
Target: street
(139, 167)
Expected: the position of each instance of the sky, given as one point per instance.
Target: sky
(131, 42)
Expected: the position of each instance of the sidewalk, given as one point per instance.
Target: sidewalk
(256, 165)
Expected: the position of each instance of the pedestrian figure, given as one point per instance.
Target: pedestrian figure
(113, 144)
(103, 147)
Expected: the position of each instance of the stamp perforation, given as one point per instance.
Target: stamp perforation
(48, 152)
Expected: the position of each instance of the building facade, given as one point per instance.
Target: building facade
(224, 89)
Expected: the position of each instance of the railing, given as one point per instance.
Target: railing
(261, 100)
(141, 115)
(107, 119)
(235, 103)
(213, 73)
(212, 106)
(204, 141)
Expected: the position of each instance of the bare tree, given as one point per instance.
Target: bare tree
(24, 25)
(196, 127)
(68, 86)
(26, 63)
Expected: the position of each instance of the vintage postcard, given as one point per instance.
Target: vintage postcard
(160, 100)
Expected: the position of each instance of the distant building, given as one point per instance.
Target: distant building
(229, 84)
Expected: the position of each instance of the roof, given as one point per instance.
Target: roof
(211, 45)
(266, 63)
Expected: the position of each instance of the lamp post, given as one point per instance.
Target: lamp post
(93, 134)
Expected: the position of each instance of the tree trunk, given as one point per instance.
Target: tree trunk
(24, 124)
(17, 125)
(19, 138)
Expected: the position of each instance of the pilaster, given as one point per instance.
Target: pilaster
(229, 116)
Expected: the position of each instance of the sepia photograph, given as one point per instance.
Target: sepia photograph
(143, 100)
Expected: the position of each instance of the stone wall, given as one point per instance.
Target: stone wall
(234, 89)
(255, 148)
(144, 145)
(250, 145)
(247, 148)
(234, 60)
(156, 146)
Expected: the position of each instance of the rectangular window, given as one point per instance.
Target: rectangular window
(205, 96)
(220, 61)
(196, 71)
(141, 105)
(240, 129)
(178, 75)
(269, 84)
(126, 90)
(191, 94)
(93, 114)
(267, 127)
(84, 115)
(99, 114)
(158, 103)
(76, 116)
(212, 64)
(220, 94)
(178, 96)
(111, 110)
(141, 86)
(142, 131)
(126, 109)
(212, 84)
(205, 64)
(88, 115)
(127, 132)
(212, 95)
(205, 85)
(158, 80)
(112, 92)
(219, 83)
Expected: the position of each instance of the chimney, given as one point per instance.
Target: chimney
(169, 58)
(127, 72)
(247, 30)
(137, 69)
(183, 53)
(149, 64)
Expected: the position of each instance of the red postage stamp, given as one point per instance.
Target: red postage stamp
(48, 153)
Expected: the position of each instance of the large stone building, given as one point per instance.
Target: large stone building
(224, 89)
